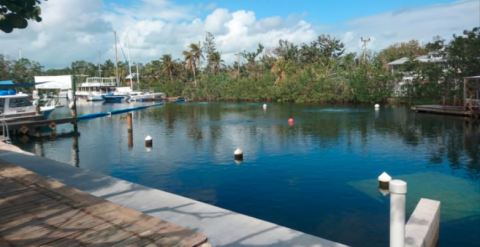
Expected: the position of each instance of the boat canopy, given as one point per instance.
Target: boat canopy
(11, 84)
(6, 83)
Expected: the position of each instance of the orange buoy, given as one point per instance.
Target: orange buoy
(291, 121)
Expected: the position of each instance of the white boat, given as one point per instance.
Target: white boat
(136, 96)
(19, 106)
(94, 88)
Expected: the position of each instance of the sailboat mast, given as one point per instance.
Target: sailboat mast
(138, 76)
(129, 67)
(117, 81)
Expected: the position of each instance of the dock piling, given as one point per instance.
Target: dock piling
(129, 122)
(130, 129)
(398, 190)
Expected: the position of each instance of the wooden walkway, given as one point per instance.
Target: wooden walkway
(442, 109)
(35, 211)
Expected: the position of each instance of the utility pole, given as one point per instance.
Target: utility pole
(364, 46)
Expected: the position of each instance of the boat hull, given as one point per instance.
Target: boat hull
(113, 98)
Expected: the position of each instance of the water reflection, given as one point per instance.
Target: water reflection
(75, 150)
(296, 176)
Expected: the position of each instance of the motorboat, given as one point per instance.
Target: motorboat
(94, 88)
(113, 98)
(137, 96)
(19, 106)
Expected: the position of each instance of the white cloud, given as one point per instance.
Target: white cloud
(73, 30)
(421, 24)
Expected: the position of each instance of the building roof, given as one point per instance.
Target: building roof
(431, 57)
(399, 61)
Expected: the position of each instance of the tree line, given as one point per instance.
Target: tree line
(320, 71)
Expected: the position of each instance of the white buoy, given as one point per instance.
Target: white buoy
(238, 154)
(398, 191)
(377, 106)
(264, 106)
(148, 141)
(383, 180)
(70, 105)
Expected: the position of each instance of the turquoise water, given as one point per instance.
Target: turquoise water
(318, 176)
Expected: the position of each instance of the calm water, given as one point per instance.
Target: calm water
(318, 176)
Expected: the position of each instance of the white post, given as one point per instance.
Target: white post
(398, 190)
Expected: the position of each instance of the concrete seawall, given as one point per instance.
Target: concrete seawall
(222, 227)
(422, 228)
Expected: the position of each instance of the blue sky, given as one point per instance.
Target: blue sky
(318, 12)
(81, 30)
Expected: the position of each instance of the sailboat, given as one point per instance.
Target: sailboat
(139, 96)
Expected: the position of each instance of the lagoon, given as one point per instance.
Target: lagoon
(318, 176)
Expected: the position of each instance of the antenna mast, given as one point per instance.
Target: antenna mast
(364, 46)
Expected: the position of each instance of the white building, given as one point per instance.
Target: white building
(61, 83)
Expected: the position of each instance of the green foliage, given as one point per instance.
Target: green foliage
(317, 72)
(464, 53)
(15, 14)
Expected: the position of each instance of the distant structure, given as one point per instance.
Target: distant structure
(61, 84)
(398, 66)
(364, 47)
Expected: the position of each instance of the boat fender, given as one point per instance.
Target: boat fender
(23, 130)
(52, 125)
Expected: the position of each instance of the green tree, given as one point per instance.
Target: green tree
(463, 53)
(251, 60)
(16, 13)
(168, 65)
(23, 70)
(4, 68)
(192, 58)
(215, 61)
(329, 47)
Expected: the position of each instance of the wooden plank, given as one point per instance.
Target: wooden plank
(37, 123)
(39, 211)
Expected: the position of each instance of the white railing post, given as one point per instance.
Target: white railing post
(398, 190)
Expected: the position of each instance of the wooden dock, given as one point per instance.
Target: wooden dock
(35, 211)
(443, 109)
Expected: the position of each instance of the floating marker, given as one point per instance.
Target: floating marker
(148, 141)
(238, 154)
(291, 121)
(264, 107)
(384, 180)
(377, 106)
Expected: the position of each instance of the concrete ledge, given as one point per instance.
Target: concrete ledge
(221, 226)
(422, 229)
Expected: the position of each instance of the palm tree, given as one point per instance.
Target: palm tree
(192, 58)
(278, 69)
(190, 64)
(168, 65)
(215, 60)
